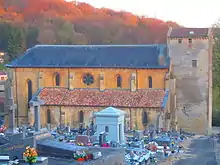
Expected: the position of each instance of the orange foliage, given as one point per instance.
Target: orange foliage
(30, 152)
(85, 17)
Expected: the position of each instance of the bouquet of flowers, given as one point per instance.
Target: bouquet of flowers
(30, 155)
(80, 156)
(2, 129)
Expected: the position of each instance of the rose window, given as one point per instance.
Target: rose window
(88, 79)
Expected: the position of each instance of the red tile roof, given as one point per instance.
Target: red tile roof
(189, 32)
(94, 97)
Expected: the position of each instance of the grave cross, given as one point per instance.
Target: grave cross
(10, 106)
(35, 103)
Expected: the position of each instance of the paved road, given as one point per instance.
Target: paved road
(201, 152)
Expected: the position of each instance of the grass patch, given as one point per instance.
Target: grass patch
(216, 107)
(2, 67)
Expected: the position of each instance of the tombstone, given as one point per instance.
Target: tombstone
(87, 131)
(35, 103)
(159, 122)
(111, 120)
(92, 128)
(24, 131)
(10, 106)
(68, 129)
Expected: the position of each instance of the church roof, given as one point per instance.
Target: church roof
(189, 32)
(93, 56)
(57, 96)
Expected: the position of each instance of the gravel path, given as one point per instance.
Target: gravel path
(199, 151)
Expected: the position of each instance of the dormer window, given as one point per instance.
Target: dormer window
(180, 41)
(190, 41)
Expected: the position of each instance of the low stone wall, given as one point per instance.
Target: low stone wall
(111, 156)
(217, 151)
(16, 145)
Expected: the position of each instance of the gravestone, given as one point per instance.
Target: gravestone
(16, 142)
(35, 103)
(10, 106)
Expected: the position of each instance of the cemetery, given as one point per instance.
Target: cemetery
(104, 142)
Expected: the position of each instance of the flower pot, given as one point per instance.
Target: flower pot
(80, 159)
(86, 158)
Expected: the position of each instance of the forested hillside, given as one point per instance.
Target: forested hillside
(25, 23)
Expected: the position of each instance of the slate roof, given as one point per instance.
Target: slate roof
(92, 56)
(189, 32)
(58, 96)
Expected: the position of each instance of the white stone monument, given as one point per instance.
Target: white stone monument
(111, 121)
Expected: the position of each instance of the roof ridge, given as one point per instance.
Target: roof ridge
(92, 56)
(116, 45)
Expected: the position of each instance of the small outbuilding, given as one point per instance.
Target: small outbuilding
(111, 121)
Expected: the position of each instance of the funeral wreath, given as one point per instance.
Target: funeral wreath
(80, 156)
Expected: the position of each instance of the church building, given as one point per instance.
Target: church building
(74, 81)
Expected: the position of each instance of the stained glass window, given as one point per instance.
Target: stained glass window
(150, 82)
(57, 79)
(81, 117)
(29, 86)
(88, 79)
(144, 118)
(119, 81)
(48, 116)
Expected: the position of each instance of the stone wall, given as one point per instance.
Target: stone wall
(72, 78)
(192, 90)
(111, 156)
(133, 117)
(16, 145)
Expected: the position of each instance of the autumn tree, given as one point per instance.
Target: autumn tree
(31, 22)
(216, 73)
(31, 36)
(16, 42)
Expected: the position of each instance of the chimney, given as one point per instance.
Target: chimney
(102, 82)
(133, 82)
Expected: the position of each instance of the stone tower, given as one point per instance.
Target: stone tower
(190, 50)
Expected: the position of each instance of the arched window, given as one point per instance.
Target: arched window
(144, 118)
(119, 81)
(81, 117)
(57, 79)
(106, 129)
(150, 82)
(48, 116)
(29, 91)
(29, 88)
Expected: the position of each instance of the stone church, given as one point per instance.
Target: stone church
(148, 82)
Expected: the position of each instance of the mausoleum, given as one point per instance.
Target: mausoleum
(111, 121)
